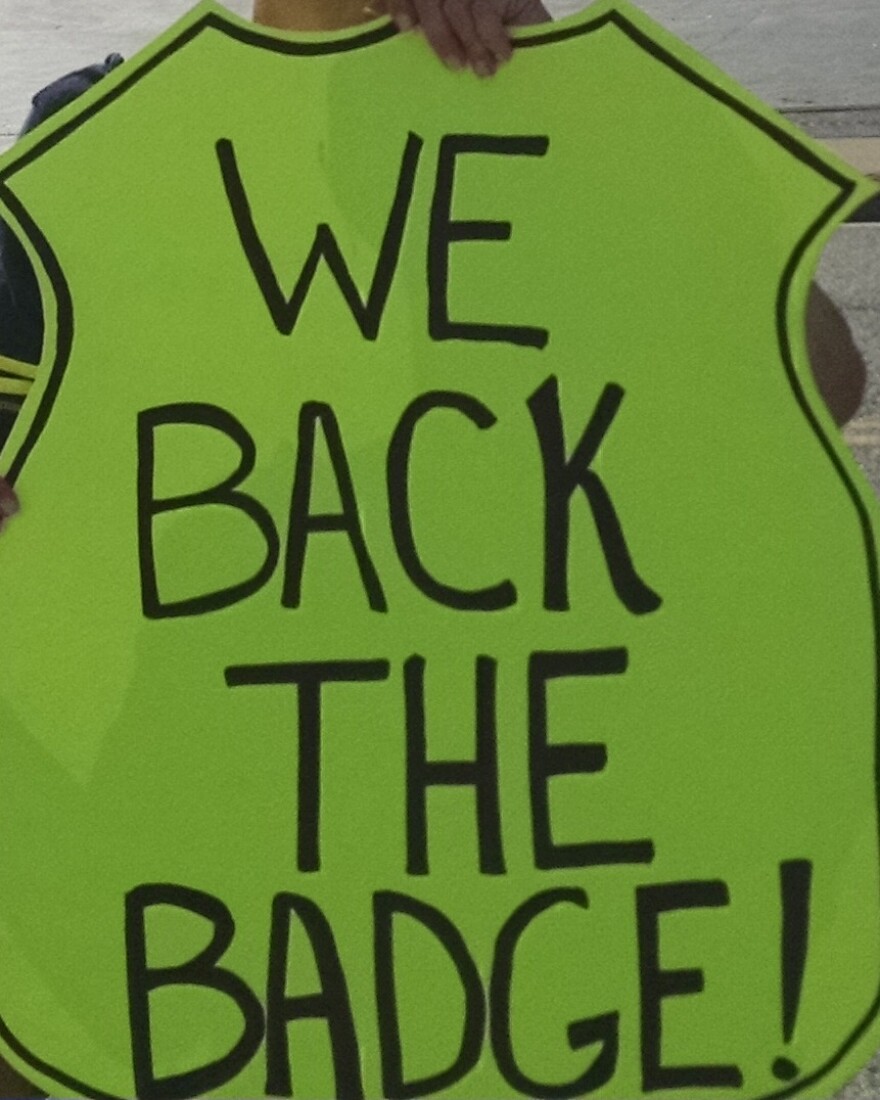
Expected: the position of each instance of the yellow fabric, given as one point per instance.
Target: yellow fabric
(16, 378)
(14, 387)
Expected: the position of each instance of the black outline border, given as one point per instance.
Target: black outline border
(216, 20)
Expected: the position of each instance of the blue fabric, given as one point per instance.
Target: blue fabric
(66, 89)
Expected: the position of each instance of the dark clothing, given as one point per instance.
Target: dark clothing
(66, 89)
(21, 310)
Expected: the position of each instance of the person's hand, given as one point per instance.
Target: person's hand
(468, 32)
(8, 502)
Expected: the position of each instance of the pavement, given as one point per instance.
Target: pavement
(806, 56)
(816, 60)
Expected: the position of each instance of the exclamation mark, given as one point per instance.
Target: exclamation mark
(795, 880)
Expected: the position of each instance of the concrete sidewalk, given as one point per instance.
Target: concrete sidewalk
(817, 59)
(812, 58)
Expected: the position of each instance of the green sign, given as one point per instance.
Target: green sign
(457, 676)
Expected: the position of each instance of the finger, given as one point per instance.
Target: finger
(439, 34)
(526, 13)
(491, 30)
(403, 13)
(9, 505)
(461, 19)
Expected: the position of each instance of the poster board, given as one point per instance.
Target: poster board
(472, 639)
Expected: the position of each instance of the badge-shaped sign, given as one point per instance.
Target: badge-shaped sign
(440, 639)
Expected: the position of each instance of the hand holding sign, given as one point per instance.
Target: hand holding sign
(468, 32)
